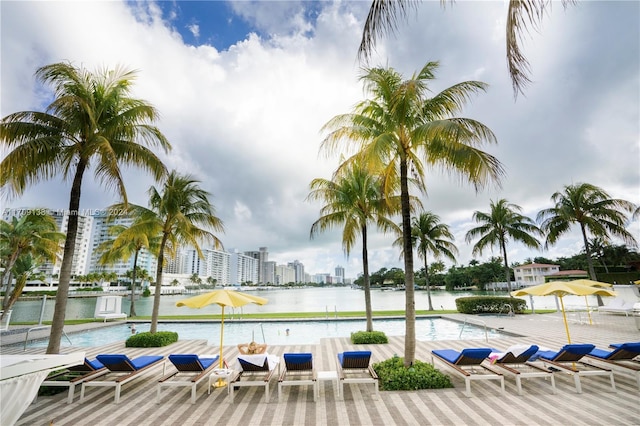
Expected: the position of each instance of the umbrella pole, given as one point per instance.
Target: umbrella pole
(221, 383)
(564, 317)
(588, 310)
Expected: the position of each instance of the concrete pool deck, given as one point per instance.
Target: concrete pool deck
(597, 405)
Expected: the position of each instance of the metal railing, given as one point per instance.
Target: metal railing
(253, 335)
(40, 327)
(475, 322)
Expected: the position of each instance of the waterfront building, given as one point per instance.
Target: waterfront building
(298, 268)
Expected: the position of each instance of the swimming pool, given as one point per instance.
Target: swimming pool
(275, 332)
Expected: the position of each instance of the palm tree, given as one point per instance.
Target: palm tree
(497, 227)
(354, 198)
(181, 211)
(24, 269)
(521, 15)
(92, 121)
(593, 210)
(398, 130)
(33, 234)
(127, 242)
(429, 235)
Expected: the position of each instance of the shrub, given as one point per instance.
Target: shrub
(489, 305)
(152, 340)
(146, 292)
(393, 375)
(368, 337)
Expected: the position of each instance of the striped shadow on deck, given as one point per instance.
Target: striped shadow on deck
(596, 405)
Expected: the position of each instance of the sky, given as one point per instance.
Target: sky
(244, 88)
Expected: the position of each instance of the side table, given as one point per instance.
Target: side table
(219, 374)
(332, 376)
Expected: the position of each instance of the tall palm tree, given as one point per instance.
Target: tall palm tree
(92, 122)
(128, 241)
(501, 225)
(429, 235)
(354, 198)
(521, 15)
(593, 210)
(181, 211)
(400, 130)
(34, 234)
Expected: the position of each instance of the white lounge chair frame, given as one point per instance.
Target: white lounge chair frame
(306, 377)
(255, 377)
(365, 375)
(472, 372)
(579, 369)
(185, 379)
(120, 379)
(527, 371)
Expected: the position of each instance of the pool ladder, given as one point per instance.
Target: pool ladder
(476, 322)
(40, 327)
(253, 333)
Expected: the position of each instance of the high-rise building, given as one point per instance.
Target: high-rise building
(298, 267)
(242, 269)
(285, 275)
(270, 272)
(100, 234)
(61, 216)
(340, 274)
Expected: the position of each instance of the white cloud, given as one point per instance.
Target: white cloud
(245, 121)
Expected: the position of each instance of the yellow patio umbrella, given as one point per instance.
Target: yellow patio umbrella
(561, 289)
(232, 298)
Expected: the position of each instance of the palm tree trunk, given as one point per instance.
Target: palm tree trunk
(507, 272)
(410, 301)
(592, 271)
(367, 287)
(156, 297)
(60, 309)
(132, 307)
(6, 273)
(426, 279)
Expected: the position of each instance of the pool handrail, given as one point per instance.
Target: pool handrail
(41, 327)
(474, 321)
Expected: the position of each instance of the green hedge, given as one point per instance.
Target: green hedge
(368, 337)
(489, 305)
(393, 375)
(152, 340)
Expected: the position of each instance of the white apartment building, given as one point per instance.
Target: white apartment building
(61, 216)
(285, 275)
(242, 269)
(298, 267)
(533, 273)
(269, 272)
(100, 234)
(339, 274)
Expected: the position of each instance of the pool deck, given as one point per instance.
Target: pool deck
(597, 405)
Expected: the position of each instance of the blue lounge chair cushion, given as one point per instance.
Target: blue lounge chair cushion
(523, 357)
(631, 351)
(189, 359)
(353, 355)
(454, 357)
(110, 360)
(298, 358)
(96, 365)
(578, 350)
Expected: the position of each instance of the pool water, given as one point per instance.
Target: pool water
(275, 333)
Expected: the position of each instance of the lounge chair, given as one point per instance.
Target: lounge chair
(190, 371)
(468, 364)
(109, 307)
(354, 368)
(298, 371)
(514, 362)
(254, 370)
(620, 359)
(618, 306)
(123, 371)
(569, 360)
(72, 376)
